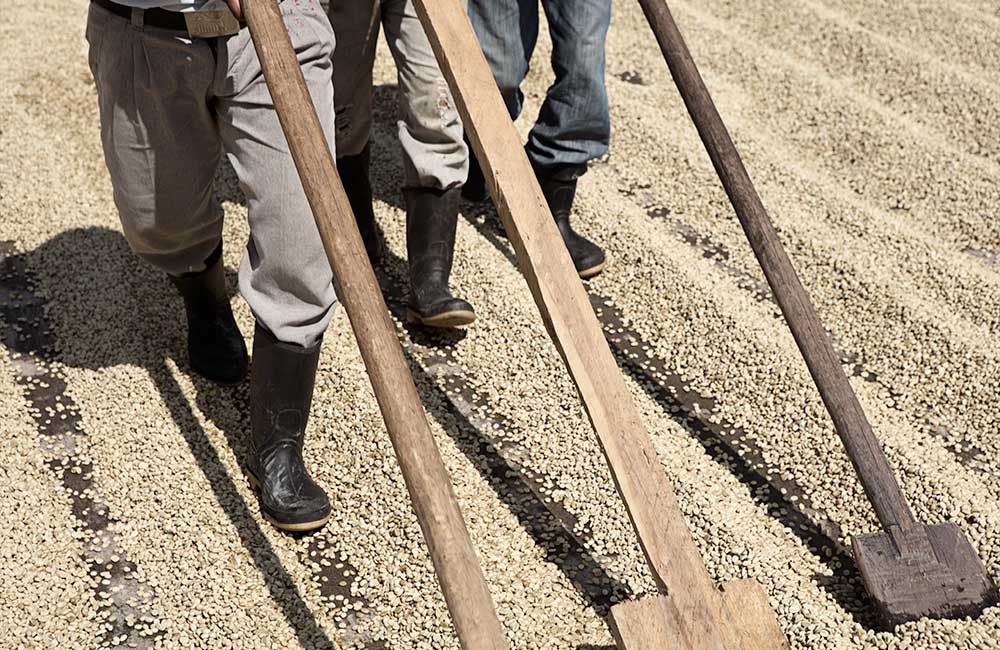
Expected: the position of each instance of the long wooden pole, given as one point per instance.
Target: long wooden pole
(542, 257)
(455, 562)
(849, 419)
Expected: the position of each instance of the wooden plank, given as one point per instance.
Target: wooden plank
(937, 575)
(572, 324)
(427, 481)
(644, 624)
(749, 611)
(652, 623)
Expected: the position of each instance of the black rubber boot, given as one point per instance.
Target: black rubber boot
(559, 187)
(431, 221)
(216, 349)
(475, 185)
(281, 388)
(353, 172)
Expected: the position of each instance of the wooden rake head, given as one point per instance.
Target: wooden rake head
(654, 623)
(924, 571)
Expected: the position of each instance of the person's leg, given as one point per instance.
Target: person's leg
(430, 129)
(356, 24)
(162, 150)
(435, 161)
(507, 31)
(573, 126)
(285, 276)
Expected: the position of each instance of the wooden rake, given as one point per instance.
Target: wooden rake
(695, 615)
(910, 570)
(455, 561)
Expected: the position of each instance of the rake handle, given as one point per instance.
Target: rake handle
(632, 459)
(427, 481)
(849, 419)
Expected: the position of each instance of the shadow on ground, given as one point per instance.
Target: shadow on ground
(111, 309)
(844, 583)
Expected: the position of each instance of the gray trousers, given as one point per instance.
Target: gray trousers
(430, 130)
(169, 107)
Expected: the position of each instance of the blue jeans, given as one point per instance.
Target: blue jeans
(573, 125)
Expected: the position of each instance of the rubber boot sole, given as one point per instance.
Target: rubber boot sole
(456, 318)
(297, 527)
(592, 271)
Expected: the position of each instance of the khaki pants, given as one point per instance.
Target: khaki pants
(170, 106)
(430, 130)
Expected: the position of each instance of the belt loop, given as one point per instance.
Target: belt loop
(138, 18)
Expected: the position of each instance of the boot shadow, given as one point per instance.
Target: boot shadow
(135, 318)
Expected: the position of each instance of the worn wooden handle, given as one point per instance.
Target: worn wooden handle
(849, 419)
(542, 257)
(430, 489)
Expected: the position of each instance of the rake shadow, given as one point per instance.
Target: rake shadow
(844, 585)
(548, 528)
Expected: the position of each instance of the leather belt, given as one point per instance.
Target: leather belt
(197, 24)
(161, 18)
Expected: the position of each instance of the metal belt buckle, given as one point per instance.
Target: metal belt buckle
(209, 24)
